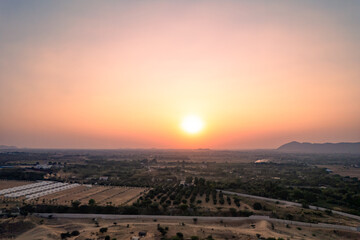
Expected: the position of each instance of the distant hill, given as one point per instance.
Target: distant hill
(7, 147)
(321, 147)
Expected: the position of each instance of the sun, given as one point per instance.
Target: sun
(192, 124)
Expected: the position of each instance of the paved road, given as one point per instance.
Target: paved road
(292, 204)
(199, 218)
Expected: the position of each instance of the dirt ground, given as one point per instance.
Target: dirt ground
(10, 183)
(343, 170)
(124, 229)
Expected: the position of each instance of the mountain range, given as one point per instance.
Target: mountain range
(305, 147)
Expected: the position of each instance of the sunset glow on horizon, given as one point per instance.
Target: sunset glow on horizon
(125, 74)
(192, 124)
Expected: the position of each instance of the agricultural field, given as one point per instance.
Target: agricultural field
(343, 170)
(9, 184)
(188, 184)
(203, 200)
(102, 195)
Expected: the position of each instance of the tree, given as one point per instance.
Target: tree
(162, 230)
(180, 235)
(92, 202)
(237, 201)
(107, 237)
(233, 212)
(103, 230)
(188, 180)
(76, 204)
(257, 206)
(184, 207)
(228, 199)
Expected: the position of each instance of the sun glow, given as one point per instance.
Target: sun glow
(192, 124)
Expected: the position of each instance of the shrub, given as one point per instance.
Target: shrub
(180, 235)
(245, 213)
(257, 206)
(75, 233)
(65, 235)
(92, 202)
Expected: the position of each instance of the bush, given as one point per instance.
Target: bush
(92, 202)
(103, 230)
(257, 206)
(75, 204)
(162, 230)
(180, 235)
(65, 235)
(233, 212)
(245, 213)
(237, 201)
(228, 199)
(75, 233)
(328, 212)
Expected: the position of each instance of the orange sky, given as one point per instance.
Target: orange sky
(124, 74)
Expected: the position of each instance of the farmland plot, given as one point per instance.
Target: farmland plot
(12, 183)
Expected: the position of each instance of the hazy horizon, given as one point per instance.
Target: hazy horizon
(125, 74)
(175, 149)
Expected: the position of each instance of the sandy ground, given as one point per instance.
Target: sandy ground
(125, 229)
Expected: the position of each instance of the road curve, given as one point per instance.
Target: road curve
(199, 218)
(290, 203)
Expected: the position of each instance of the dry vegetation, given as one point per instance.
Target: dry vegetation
(124, 229)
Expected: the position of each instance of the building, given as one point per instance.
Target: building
(43, 166)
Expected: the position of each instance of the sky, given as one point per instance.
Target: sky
(124, 74)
